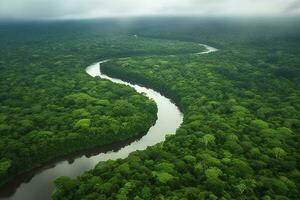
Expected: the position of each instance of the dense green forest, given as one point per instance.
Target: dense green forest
(50, 107)
(240, 135)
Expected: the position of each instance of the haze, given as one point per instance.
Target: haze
(77, 9)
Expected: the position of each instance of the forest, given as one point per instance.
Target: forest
(240, 135)
(50, 107)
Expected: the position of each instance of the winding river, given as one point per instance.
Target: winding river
(38, 185)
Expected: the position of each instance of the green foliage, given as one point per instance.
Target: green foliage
(83, 123)
(208, 138)
(81, 112)
(278, 152)
(162, 177)
(259, 124)
(165, 167)
(50, 107)
(4, 166)
(215, 185)
(80, 98)
(189, 158)
(213, 172)
(239, 136)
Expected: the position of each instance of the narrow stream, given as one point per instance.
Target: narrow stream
(38, 185)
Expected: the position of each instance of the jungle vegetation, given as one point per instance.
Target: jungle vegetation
(240, 135)
(50, 107)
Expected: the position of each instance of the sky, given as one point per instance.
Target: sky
(77, 9)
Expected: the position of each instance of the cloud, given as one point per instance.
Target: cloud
(65, 9)
(294, 7)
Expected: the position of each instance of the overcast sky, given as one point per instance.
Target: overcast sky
(73, 9)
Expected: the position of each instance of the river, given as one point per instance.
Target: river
(38, 184)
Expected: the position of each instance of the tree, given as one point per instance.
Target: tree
(259, 124)
(190, 159)
(241, 188)
(165, 167)
(278, 152)
(213, 172)
(5, 164)
(83, 123)
(163, 177)
(215, 185)
(208, 138)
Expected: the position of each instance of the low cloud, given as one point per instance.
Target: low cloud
(71, 9)
(293, 7)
